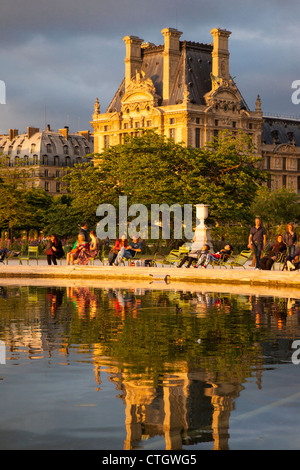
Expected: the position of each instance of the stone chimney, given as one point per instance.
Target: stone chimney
(13, 133)
(85, 134)
(133, 59)
(220, 54)
(31, 131)
(65, 132)
(171, 60)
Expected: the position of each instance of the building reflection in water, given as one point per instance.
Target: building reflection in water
(191, 397)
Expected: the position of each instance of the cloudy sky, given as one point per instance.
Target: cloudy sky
(57, 56)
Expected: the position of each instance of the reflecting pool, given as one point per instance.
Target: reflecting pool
(120, 368)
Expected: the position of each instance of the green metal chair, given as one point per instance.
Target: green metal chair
(32, 253)
(240, 260)
(175, 255)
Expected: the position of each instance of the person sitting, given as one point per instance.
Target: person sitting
(206, 258)
(80, 245)
(86, 254)
(193, 255)
(130, 251)
(223, 254)
(115, 250)
(54, 249)
(293, 262)
(273, 254)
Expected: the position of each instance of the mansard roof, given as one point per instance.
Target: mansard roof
(193, 73)
(279, 130)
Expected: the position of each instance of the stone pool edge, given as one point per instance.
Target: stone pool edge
(233, 276)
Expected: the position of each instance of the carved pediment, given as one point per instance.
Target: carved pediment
(223, 95)
(285, 148)
(140, 91)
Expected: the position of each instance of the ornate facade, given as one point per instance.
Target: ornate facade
(47, 154)
(184, 90)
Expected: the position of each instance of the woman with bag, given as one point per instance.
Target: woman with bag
(54, 249)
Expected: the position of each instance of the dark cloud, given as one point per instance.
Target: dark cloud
(57, 56)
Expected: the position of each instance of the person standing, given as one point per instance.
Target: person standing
(54, 249)
(83, 231)
(257, 240)
(290, 239)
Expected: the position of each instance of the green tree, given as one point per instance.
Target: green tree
(152, 169)
(276, 207)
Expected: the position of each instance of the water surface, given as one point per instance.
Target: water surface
(131, 368)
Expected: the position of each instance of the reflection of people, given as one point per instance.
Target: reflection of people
(257, 240)
(55, 297)
(273, 254)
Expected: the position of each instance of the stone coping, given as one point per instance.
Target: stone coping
(165, 275)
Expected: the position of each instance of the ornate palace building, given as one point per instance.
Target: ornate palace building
(184, 90)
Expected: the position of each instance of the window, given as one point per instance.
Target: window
(197, 120)
(46, 186)
(46, 173)
(56, 160)
(45, 160)
(35, 159)
(105, 128)
(65, 149)
(19, 148)
(32, 148)
(57, 173)
(172, 121)
(284, 181)
(106, 141)
(197, 138)
(172, 133)
(58, 187)
(284, 163)
(49, 148)
(268, 162)
(149, 123)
